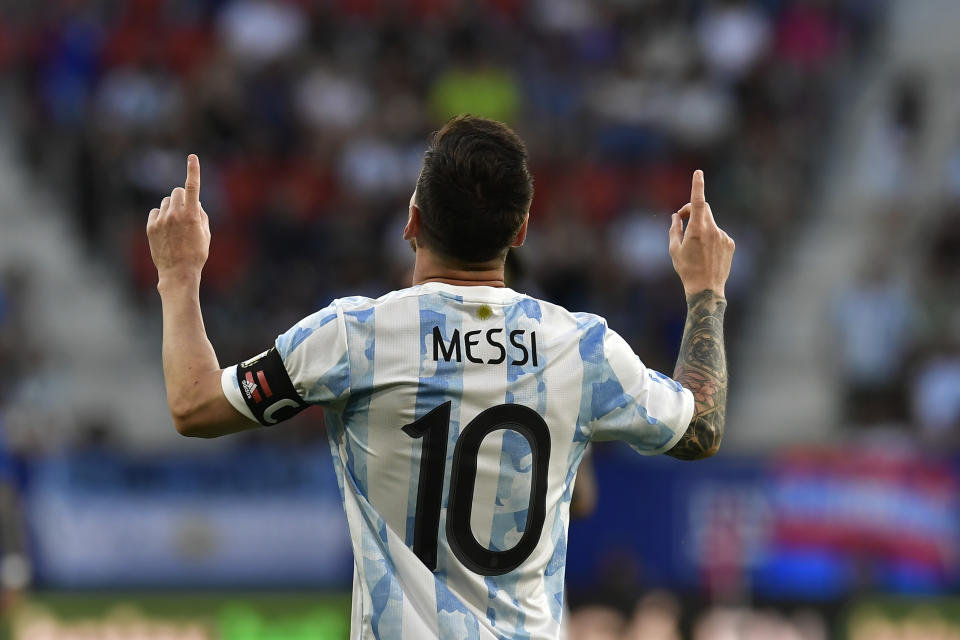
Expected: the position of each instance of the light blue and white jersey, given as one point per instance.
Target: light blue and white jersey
(457, 417)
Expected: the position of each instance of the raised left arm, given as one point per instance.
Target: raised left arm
(702, 368)
(702, 255)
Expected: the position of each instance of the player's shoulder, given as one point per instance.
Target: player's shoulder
(582, 320)
(559, 316)
(587, 320)
(360, 302)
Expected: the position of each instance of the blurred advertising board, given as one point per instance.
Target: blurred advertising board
(893, 517)
(809, 525)
(181, 616)
(246, 519)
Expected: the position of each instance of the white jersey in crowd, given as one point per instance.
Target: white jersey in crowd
(457, 416)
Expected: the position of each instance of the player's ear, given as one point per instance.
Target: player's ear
(521, 236)
(413, 222)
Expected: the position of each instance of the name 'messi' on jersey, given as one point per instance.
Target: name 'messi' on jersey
(494, 339)
(457, 417)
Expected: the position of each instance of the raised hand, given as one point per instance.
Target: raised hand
(702, 253)
(179, 231)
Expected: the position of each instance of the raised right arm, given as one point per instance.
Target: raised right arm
(702, 255)
(179, 235)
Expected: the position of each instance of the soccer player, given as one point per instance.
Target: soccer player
(457, 409)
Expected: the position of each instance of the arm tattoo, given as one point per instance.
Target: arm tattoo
(702, 368)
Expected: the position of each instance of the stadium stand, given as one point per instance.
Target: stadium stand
(873, 266)
(75, 362)
(310, 120)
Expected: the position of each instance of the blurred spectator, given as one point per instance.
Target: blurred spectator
(131, 98)
(15, 571)
(657, 617)
(372, 167)
(893, 139)
(260, 31)
(702, 115)
(567, 16)
(935, 397)
(637, 240)
(597, 623)
(874, 322)
(15, 354)
(333, 101)
(807, 34)
(747, 624)
(935, 371)
(475, 86)
(733, 35)
(17, 350)
(660, 616)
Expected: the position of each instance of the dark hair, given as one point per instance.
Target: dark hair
(474, 190)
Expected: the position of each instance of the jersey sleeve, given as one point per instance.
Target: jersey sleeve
(644, 408)
(307, 365)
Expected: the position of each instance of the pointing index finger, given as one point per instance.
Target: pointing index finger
(697, 199)
(192, 185)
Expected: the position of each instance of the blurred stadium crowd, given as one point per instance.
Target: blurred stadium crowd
(310, 119)
(898, 323)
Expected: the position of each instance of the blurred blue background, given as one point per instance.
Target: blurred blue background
(829, 132)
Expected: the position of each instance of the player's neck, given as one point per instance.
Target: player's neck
(429, 267)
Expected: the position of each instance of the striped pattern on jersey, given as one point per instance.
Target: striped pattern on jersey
(379, 365)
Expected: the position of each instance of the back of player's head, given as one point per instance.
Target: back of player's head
(474, 190)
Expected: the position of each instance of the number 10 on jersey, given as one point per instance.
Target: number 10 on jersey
(434, 429)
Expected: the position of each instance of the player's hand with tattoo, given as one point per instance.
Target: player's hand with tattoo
(179, 231)
(702, 254)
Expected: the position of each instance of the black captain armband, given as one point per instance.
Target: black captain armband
(266, 388)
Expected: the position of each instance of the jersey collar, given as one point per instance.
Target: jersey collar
(472, 293)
